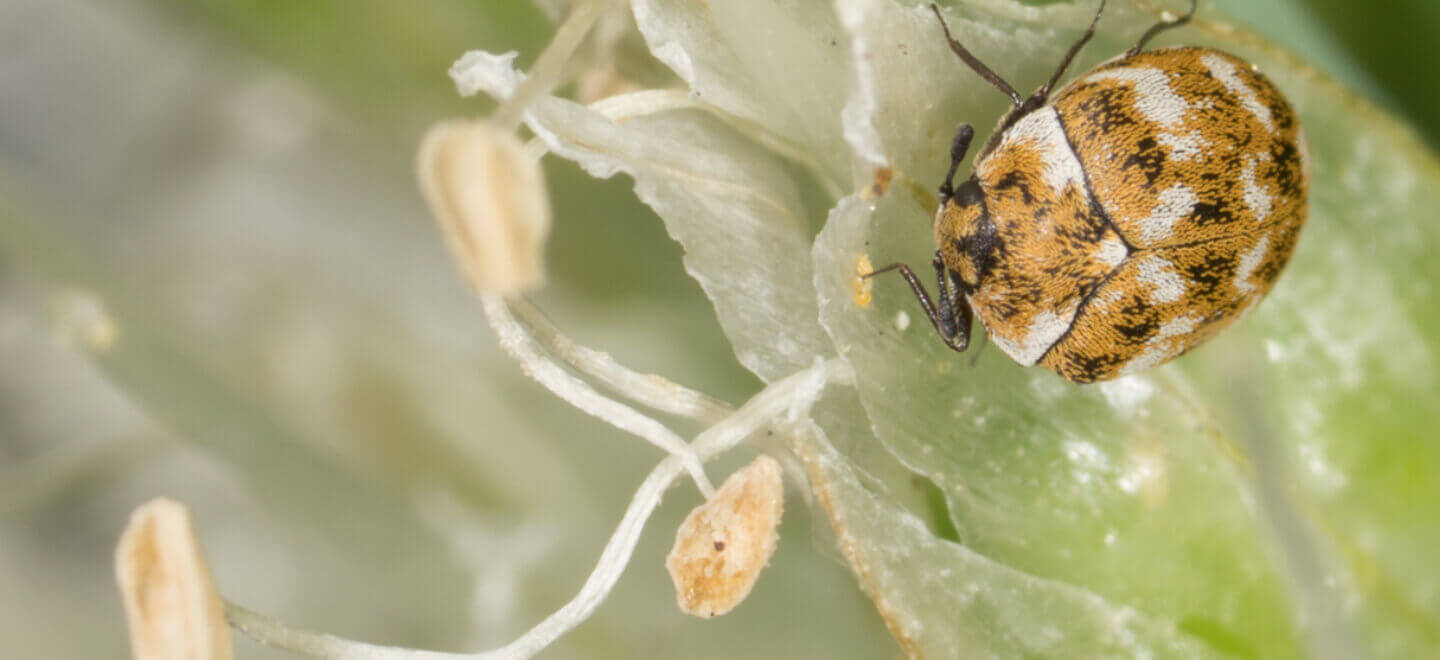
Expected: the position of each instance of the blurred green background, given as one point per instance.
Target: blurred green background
(231, 183)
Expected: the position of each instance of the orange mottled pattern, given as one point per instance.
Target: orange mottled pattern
(1209, 192)
(1050, 236)
(1134, 322)
(1161, 135)
(1187, 156)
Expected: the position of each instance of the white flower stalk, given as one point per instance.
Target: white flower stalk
(650, 390)
(171, 606)
(550, 67)
(521, 346)
(789, 398)
(489, 198)
(782, 403)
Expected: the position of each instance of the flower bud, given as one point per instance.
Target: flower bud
(724, 543)
(171, 605)
(490, 200)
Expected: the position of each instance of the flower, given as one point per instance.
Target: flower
(1036, 537)
(1270, 494)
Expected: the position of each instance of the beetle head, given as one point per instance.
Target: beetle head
(965, 235)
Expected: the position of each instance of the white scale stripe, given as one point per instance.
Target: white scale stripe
(1224, 71)
(1153, 96)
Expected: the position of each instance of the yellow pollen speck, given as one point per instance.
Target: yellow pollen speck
(863, 286)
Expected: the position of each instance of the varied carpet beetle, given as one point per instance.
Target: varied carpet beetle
(1123, 220)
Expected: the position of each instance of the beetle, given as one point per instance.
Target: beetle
(1123, 220)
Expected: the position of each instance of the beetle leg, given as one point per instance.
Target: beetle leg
(942, 318)
(947, 301)
(955, 314)
(963, 324)
(961, 144)
(1161, 27)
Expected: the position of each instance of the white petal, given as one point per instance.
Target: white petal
(732, 205)
(779, 64)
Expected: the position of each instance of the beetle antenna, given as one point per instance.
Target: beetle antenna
(961, 144)
(1161, 27)
(974, 62)
(1044, 92)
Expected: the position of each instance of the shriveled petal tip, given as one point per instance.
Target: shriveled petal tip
(481, 71)
(170, 600)
(723, 544)
(489, 198)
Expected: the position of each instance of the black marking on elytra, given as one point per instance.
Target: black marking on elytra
(1270, 269)
(1140, 331)
(1209, 213)
(1104, 109)
(1211, 272)
(1277, 258)
(1285, 159)
(1149, 158)
(1135, 304)
(1086, 368)
(1090, 231)
(1284, 118)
